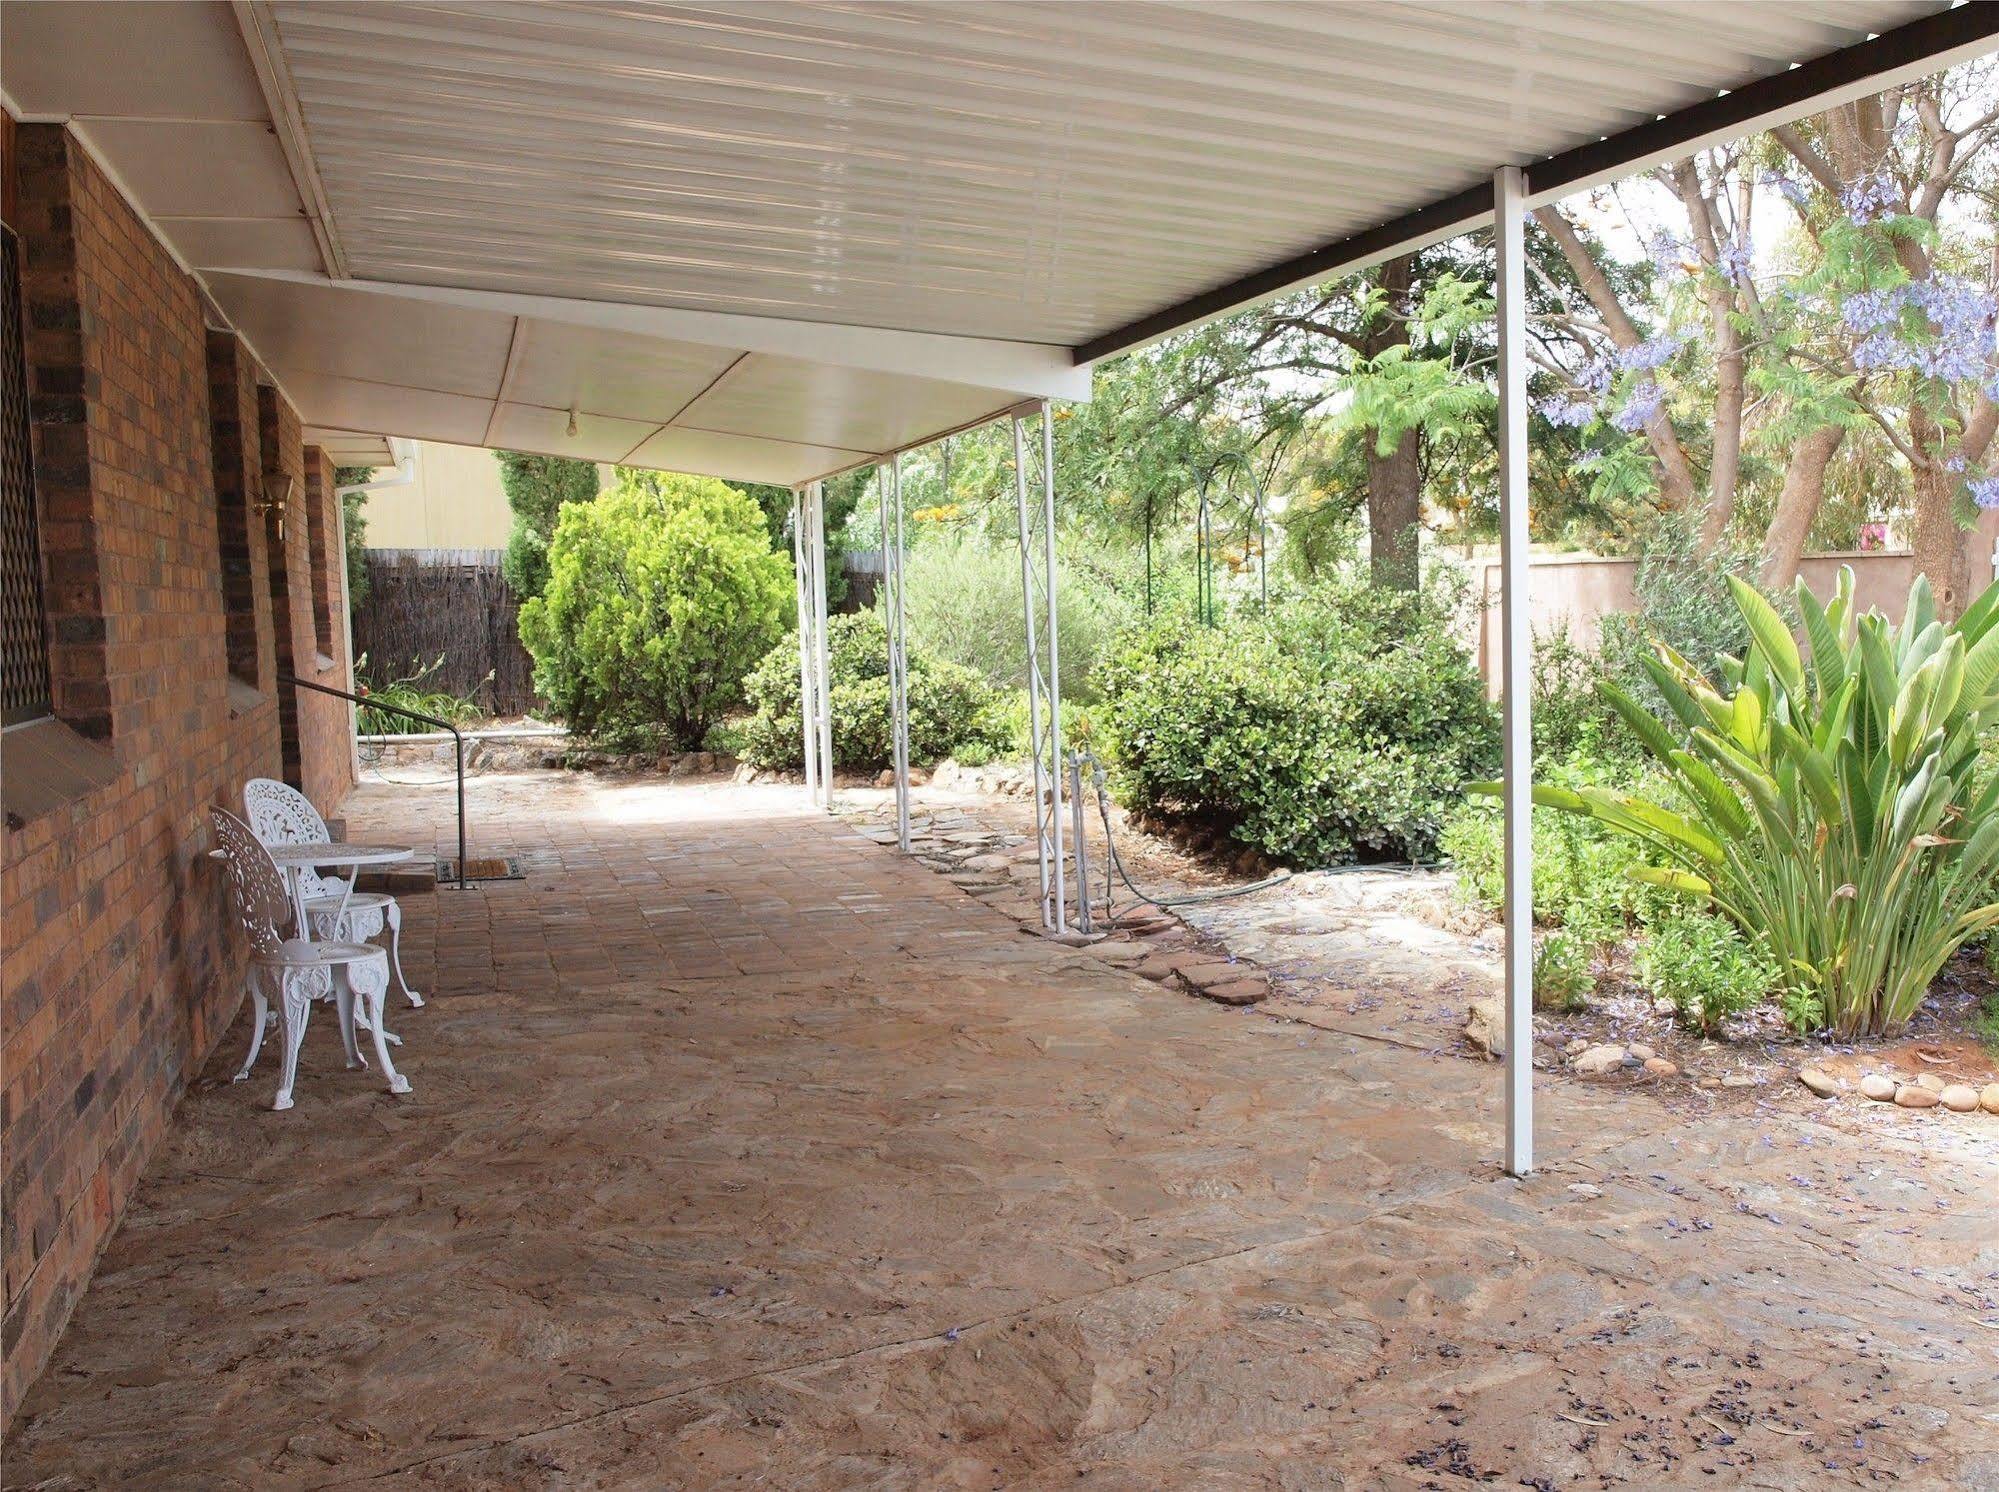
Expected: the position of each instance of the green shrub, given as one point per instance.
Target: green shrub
(1704, 966)
(1562, 975)
(536, 488)
(1340, 725)
(1582, 869)
(1682, 599)
(964, 605)
(371, 718)
(661, 595)
(1835, 813)
(1570, 714)
(951, 709)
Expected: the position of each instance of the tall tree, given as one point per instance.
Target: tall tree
(536, 488)
(1915, 291)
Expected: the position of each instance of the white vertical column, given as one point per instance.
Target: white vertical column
(808, 647)
(889, 478)
(1509, 234)
(1034, 699)
(1054, 677)
(823, 666)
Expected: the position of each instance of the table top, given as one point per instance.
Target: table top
(331, 852)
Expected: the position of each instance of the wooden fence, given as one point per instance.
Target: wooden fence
(453, 603)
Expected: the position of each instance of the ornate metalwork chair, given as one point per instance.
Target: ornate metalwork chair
(280, 814)
(297, 971)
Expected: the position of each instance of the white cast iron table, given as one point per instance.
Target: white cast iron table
(292, 858)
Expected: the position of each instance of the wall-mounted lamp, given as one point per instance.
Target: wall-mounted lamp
(276, 502)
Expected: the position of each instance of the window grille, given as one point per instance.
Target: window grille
(24, 664)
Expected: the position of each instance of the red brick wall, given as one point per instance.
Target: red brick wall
(326, 724)
(303, 581)
(122, 962)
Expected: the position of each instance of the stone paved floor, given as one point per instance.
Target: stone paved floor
(744, 1152)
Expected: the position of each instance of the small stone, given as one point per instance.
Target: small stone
(1599, 1059)
(1235, 991)
(1818, 1082)
(1876, 1086)
(886, 778)
(1577, 1047)
(1660, 1067)
(1932, 1082)
(1584, 1190)
(1915, 1096)
(1988, 1100)
(1485, 1025)
(1959, 1098)
(1738, 1080)
(1707, 1082)
(1641, 1051)
(1663, 1007)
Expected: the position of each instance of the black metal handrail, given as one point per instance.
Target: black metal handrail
(407, 714)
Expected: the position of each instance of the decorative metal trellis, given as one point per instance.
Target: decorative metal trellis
(1205, 606)
(24, 658)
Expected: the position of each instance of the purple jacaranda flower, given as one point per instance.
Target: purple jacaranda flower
(1668, 253)
(1735, 257)
(1790, 188)
(1639, 409)
(1872, 197)
(1984, 492)
(1570, 414)
(1651, 354)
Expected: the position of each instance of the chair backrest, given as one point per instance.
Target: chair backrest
(280, 814)
(254, 881)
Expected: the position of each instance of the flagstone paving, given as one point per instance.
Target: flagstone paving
(745, 1152)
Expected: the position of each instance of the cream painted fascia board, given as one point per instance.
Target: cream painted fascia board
(214, 313)
(1037, 370)
(259, 28)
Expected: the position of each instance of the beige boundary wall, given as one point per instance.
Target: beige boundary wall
(1577, 591)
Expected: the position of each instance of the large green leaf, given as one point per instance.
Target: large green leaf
(1772, 638)
(1828, 660)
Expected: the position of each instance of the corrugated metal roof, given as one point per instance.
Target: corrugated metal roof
(773, 240)
(1020, 169)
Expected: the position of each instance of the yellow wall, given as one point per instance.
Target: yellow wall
(454, 503)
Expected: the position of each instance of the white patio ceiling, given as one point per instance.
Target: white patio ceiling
(770, 241)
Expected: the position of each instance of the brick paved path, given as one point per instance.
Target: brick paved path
(744, 1152)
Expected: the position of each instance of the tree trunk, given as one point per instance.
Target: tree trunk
(1726, 465)
(1798, 505)
(1676, 473)
(1394, 481)
(1395, 514)
(1937, 541)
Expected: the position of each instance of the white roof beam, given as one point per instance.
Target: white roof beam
(1029, 369)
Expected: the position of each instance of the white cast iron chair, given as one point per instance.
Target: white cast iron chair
(280, 814)
(297, 970)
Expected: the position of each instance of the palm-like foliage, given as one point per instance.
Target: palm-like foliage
(1829, 807)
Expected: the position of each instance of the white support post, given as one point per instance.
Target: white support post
(822, 661)
(1509, 233)
(808, 647)
(1044, 702)
(889, 481)
(1053, 678)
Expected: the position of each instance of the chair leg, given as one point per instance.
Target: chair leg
(260, 1011)
(396, 952)
(343, 1004)
(296, 1006)
(371, 985)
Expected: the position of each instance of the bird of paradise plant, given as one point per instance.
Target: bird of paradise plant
(1833, 809)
